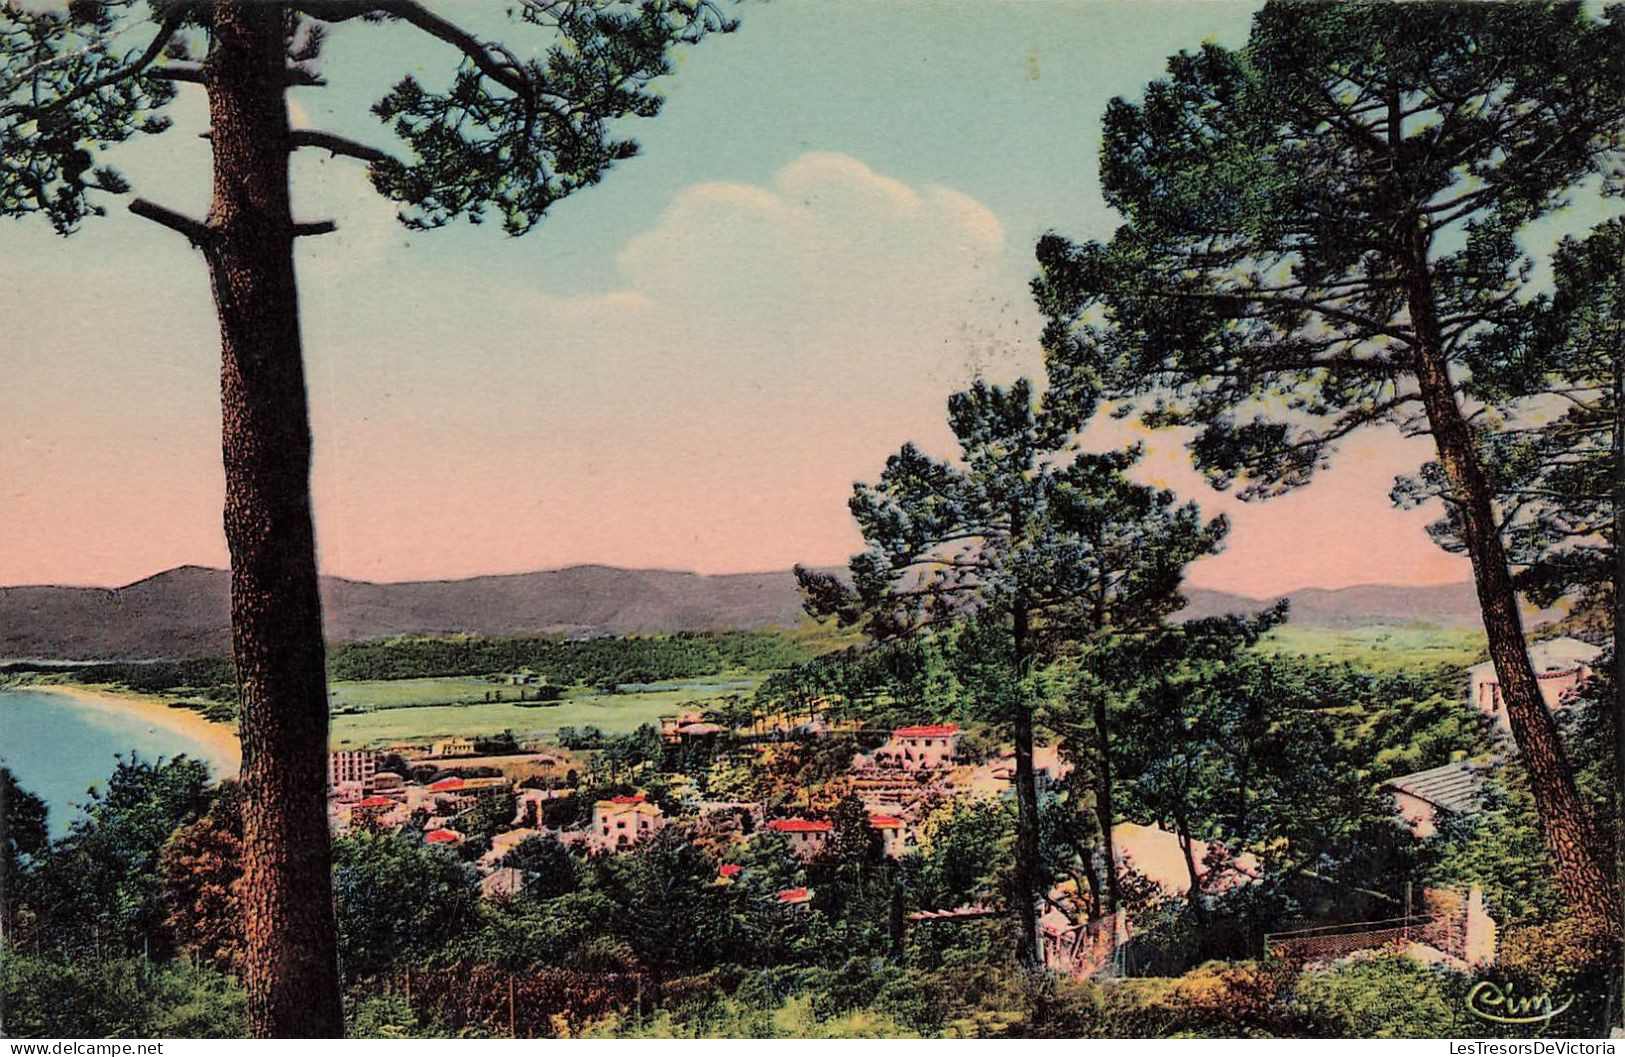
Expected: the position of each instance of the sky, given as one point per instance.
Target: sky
(829, 230)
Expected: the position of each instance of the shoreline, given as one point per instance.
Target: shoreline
(221, 740)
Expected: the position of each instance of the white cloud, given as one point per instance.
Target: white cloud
(766, 346)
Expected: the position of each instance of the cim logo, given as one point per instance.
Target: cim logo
(1498, 1002)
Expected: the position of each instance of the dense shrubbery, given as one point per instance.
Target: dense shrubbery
(207, 685)
(603, 663)
(120, 996)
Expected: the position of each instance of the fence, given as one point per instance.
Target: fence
(1331, 942)
(547, 1004)
(1453, 923)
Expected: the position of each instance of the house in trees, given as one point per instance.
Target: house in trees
(671, 726)
(928, 747)
(502, 884)
(1424, 797)
(795, 897)
(1562, 666)
(528, 809)
(895, 839)
(502, 844)
(805, 836)
(689, 725)
(623, 821)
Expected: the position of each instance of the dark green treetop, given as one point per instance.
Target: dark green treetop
(1256, 291)
(514, 127)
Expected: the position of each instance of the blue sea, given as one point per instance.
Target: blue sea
(59, 747)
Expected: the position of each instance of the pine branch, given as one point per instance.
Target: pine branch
(196, 232)
(336, 145)
(155, 47)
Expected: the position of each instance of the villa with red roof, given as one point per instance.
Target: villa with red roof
(622, 821)
(449, 837)
(806, 837)
(893, 834)
(928, 747)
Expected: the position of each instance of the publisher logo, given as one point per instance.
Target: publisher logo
(1501, 1004)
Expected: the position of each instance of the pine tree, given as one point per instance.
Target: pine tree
(1014, 553)
(505, 134)
(1318, 228)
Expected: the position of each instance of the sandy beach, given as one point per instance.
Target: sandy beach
(220, 738)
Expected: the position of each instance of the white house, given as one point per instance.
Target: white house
(502, 844)
(620, 822)
(1561, 667)
(894, 834)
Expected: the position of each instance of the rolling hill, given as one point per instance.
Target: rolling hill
(184, 612)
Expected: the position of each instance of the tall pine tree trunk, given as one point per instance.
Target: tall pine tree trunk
(1193, 895)
(1028, 952)
(1617, 613)
(287, 891)
(1105, 806)
(1577, 851)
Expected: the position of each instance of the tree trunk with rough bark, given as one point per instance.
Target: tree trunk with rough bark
(1028, 952)
(1577, 850)
(1193, 894)
(1618, 620)
(287, 892)
(1027, 867)
(1105, 806)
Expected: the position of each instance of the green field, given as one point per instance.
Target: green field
(417, 693)
(422, 709)
(1411, 646)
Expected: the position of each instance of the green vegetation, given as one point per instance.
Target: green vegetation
(602, 663)
(407, 722)
(373, 694)
(1412, 647)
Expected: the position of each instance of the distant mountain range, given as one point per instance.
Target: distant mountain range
(184, 612)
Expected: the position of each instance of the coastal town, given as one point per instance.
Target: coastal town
(443, 794)
(993, 521)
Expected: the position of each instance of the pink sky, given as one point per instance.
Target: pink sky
(498, 427)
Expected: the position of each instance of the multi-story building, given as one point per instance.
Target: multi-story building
(356, 766)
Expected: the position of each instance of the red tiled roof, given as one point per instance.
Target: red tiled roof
(446, 785)
(635, 798)
(730, 870)
(795, 895)
(799, 825)
(376, 801)
(927, 730)
(444, 836)
(885, 822)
